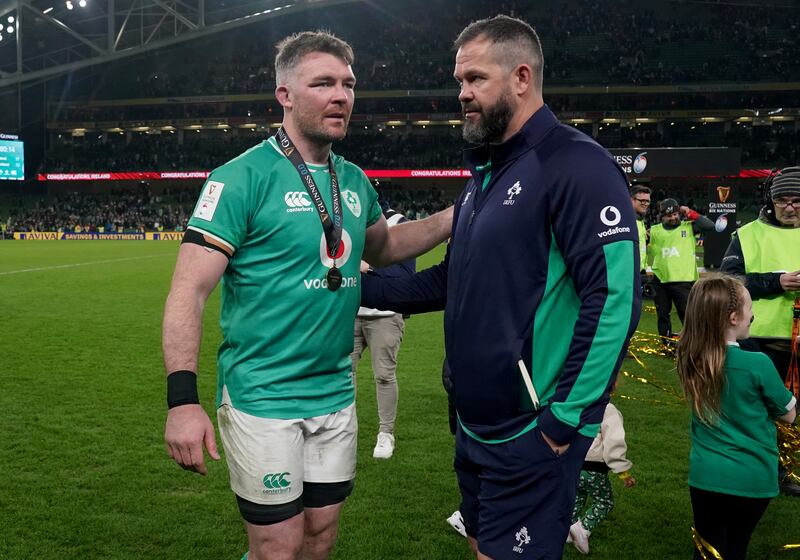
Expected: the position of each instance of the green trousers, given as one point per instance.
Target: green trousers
(594, 488)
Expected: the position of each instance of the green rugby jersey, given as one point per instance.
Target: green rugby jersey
(739, 454)
(287, 339)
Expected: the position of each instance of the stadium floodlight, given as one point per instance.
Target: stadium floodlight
(10, 29)
(1, 37)
(82, 3)
(10, 19)
(69, 5)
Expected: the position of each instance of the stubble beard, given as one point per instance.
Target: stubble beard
(316, 132)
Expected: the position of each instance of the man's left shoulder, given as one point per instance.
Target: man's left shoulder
(578, 159)
(566, 142)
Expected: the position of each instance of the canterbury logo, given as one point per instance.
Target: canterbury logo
(275, 481)
(297, 200)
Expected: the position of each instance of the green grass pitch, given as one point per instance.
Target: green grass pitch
(84, 473)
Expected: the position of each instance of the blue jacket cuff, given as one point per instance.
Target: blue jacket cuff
(555, 429)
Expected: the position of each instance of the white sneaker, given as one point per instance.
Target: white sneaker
(384, 447)
(580, 537)
(457, 523)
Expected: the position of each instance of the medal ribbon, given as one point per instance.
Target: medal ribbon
(331, 227)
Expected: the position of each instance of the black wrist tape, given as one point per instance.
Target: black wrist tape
(182, 388)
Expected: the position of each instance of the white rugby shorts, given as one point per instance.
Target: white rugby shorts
(269, 459)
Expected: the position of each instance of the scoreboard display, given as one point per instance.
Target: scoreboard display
(12, 160)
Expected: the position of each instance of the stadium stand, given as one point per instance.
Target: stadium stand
(668, 73)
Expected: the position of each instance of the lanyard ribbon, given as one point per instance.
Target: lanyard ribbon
(331, 227)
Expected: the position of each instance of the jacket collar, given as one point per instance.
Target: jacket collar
(531, 133)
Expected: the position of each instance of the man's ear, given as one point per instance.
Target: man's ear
(283, 96)
(523, 78)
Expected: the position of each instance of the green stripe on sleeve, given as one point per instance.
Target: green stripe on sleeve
(609, 337)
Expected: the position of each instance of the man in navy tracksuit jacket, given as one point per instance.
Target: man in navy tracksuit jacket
(540, 287)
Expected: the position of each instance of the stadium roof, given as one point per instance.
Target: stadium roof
(40, 39)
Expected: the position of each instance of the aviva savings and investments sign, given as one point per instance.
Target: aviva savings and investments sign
(64, 236)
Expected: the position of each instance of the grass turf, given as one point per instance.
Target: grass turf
(84, 473)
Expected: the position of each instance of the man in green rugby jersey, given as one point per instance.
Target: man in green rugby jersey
(284, 225)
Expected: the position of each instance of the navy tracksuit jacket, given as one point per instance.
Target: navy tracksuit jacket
(541, 278)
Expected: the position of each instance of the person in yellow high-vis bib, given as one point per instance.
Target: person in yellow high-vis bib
(640, 198)
(672, 249)
(767, 253)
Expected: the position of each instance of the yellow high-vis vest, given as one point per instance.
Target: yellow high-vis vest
(642, 244)
(768, 248)
(673, 253)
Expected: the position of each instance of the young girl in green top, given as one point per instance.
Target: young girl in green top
(735, 396)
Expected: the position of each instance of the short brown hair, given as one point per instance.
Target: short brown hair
(519, 41)
(293, 48)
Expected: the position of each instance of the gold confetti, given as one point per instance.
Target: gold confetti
(704, 548)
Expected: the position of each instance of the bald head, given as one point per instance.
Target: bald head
(513, 42)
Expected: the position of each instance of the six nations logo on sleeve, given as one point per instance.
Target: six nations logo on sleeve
(208, 201)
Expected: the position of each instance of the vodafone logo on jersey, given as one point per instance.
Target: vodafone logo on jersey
(611, 216)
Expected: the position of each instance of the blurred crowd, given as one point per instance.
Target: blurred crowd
(386, 148)
(128, 210)
(436, 103)
(143, 153)
(139, 209)
(415, 204)
(587, 42)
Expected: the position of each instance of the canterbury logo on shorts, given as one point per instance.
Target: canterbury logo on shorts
(276, 481)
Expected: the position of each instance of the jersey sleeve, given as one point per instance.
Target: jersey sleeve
(778, 399)
(374, 211)
(594, 227)
(223, 209)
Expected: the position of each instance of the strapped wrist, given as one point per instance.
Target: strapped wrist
(182, 388)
